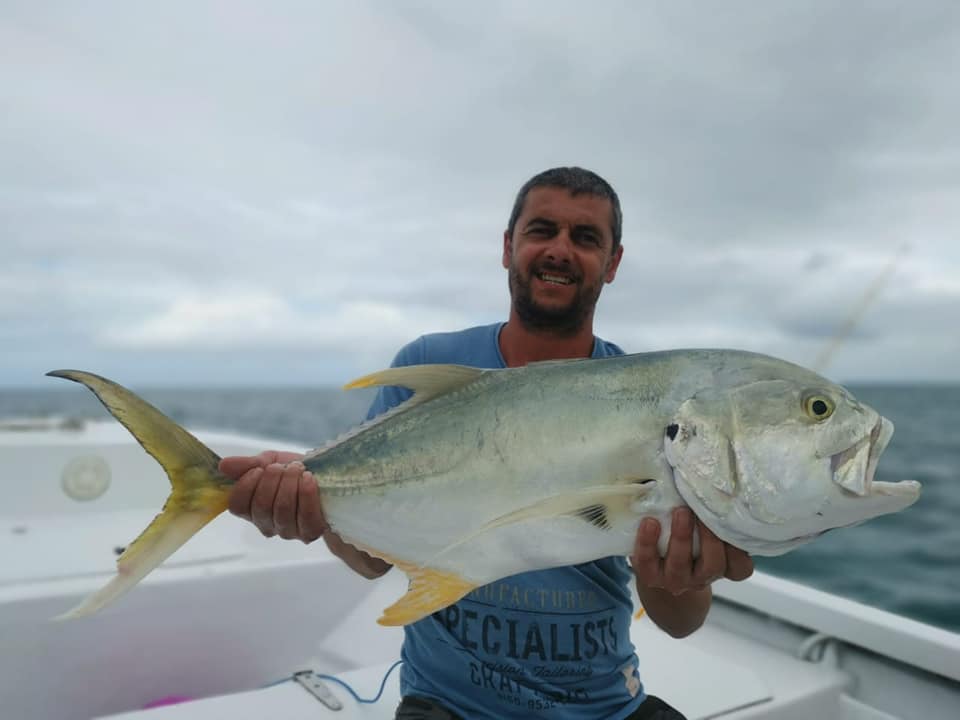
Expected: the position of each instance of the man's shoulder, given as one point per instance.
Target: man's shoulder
(605, 348)
(470, 346)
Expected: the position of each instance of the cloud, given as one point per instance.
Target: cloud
(208, 181)
(269, 322)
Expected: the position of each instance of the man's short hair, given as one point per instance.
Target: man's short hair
(575, 180)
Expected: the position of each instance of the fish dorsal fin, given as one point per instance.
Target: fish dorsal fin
(426, 381)
(430, 590)
(597, 505)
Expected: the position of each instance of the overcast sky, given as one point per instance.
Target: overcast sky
(286, 192)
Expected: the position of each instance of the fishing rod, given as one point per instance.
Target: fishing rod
(859, 310)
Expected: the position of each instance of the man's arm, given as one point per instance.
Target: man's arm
(276, 494)
(675, 590)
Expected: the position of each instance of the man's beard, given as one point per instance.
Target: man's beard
(567, 320)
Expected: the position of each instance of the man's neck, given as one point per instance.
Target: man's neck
(520, 345)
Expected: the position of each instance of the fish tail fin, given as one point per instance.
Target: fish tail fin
(199, 490)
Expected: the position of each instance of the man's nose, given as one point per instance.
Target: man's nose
(561, 247)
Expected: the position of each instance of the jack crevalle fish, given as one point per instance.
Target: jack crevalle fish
(486, 473)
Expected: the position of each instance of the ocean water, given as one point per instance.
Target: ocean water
(908, 563)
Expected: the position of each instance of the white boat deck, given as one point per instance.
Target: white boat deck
(717, 673)
(232, 613)
(707, 691)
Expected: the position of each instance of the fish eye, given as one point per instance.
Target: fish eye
(818, 407)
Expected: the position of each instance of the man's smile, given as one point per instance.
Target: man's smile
(555, 279)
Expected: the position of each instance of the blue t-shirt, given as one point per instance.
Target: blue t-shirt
(552, 643)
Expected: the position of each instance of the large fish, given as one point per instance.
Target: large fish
(487, 473)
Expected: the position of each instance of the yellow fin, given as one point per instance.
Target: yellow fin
(426, 381)
(199, 489)
(167, 533)
(169, 444)
(430, 590)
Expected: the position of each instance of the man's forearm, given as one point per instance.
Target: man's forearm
(677, 615)
(357, 560)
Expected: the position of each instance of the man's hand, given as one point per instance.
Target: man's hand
(679, 572)
(675, 590)
(276, 493)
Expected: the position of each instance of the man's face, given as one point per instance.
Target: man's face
(559, 257)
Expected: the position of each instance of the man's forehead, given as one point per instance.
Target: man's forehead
(559, 204)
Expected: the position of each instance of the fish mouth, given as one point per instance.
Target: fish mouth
(854, 468)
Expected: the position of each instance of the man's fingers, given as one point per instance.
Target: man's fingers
(678, 563)
(261, 507)
(241, 495)
(237, 465)
(285, 501)
(646, 561)
(267, 492)
(739, 564)
(234, 467)
(712, 563)
(310, 521)
(283, 456)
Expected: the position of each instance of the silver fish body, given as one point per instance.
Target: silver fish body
(557, 463)
(487, 473)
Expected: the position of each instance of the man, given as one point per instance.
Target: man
(553, 643)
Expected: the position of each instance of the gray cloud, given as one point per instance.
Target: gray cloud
(222, 184)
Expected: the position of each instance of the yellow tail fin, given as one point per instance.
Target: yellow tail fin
(199, 491)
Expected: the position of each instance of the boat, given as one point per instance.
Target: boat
(236, 625)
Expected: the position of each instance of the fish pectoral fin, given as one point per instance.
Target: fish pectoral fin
(594, 504)
(426, 381)
(430, 590)
(597, 505)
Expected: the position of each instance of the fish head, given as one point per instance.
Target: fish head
(769, 464)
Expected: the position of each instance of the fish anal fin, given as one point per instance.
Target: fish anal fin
(426, 381)
(430, 590)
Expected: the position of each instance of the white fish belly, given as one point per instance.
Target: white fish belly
(374, 523)
(533, 545)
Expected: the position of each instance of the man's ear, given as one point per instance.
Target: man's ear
(507, 249)
(613, 265)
